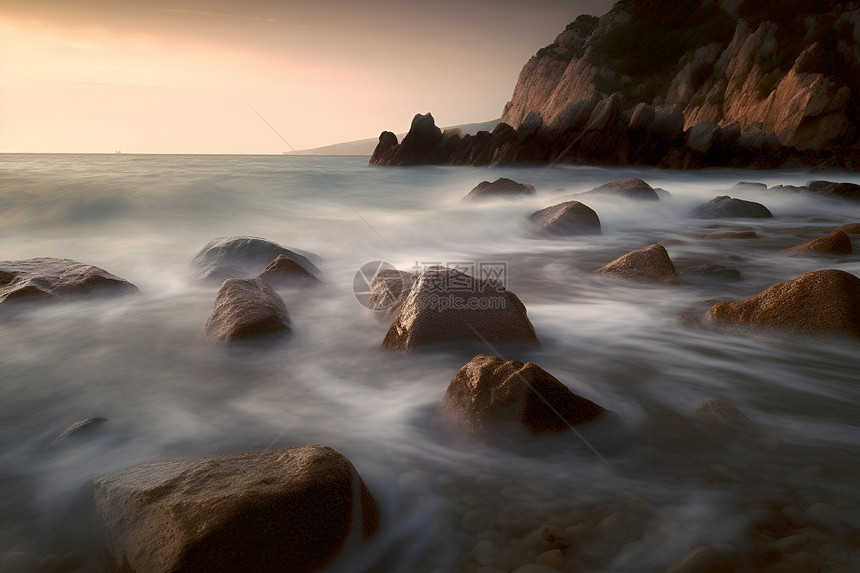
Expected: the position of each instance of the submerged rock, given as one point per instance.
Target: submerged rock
(631, 188)
(491, 396)
(446, 305)
(284, 271)
(389, 289)
(567, 219)
(289, 509)
(650, 265)
(501, 187)
(246, 308)
(820, 302)
(836, 243)
(711, 271)
(49, 279)
(80, 426)
(845, 190)
(735, 235)
(725, 206)
(244, 257)
(719, 411)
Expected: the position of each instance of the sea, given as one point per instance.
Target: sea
(678, 483)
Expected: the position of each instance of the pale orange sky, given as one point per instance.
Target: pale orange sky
(186, 76)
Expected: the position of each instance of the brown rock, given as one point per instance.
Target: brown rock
(384, 151)
(80, 426)
(725, 206)
(631, 188)
(272, 510)
(49, 279)
(389, 289)
(446, 305)
(650, 265)
(730, 235)
(701, 136)
(501, 187)
(567, 219)
(491, 396)
(703, 559)
(716, 410)
(820, 302)
(246, 308)
(849, 228)
(284, 271)
(244, 257)
(846, 190)
(836, 243)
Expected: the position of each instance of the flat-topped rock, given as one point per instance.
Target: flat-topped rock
(820, 302)
(630, 188)
(284, 271)
(246, 308)
(446, 305)
(290, 509)
(725, 206)
(649, 265)
(568, 219)
(244, 257)
(836, 243)
(491, 396)
(500, 188)
(49, 279)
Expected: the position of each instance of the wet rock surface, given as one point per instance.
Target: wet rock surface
(648, 265)
(48, 279)
(725, 206)
(247, 309)
(244, 257)
(500, 188)
(568, 219)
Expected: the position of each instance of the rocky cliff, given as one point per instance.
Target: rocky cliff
(729, 82)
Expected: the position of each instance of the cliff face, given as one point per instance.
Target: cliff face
(777, 73)
(707, 83)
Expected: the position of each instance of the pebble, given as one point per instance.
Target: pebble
(790, 544)
(825, 515)
(770, 521)
(805, 561)
(477, 519)
(796, 516)
(702, 559)
(485, 552)
(17, 562)
(580, 532)
(510, 557)
(490, 570)
(554, 536)
(612, 526)
(494, 536)
(554, 559)
(533, 568)
(834, 552)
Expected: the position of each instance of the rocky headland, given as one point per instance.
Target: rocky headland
(707, 84)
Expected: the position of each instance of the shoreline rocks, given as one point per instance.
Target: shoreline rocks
(836, 243)
(293, 508)
(244, 257)
(568, 219)
(48, 279)
(446, 305)
(284, 271)
(648, 265)
(725, 206)
(389, 289)
(818, 303)
(630, 188)
(500, 188)
(491, 396)
(246, 308)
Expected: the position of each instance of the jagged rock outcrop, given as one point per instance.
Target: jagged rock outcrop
(288, 509)
(491, 397)
(736, 84)
(820, 302)
(47, 279)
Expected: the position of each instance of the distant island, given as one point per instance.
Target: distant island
(732, 83)
(366, 146)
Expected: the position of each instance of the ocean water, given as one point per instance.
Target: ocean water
(140, 361)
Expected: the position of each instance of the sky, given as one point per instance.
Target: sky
(223, 76)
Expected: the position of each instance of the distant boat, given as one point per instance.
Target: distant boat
(118, 151)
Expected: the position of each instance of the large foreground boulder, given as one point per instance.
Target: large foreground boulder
(500, 188)
(630, 188)
(291, 509)
(49, 279)
(820, 302)
(246, 308)
(649, 265)
(836, 243)
(446, 305)
(243, 257)
(491, 396)
(568, 219)
(725, 206)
